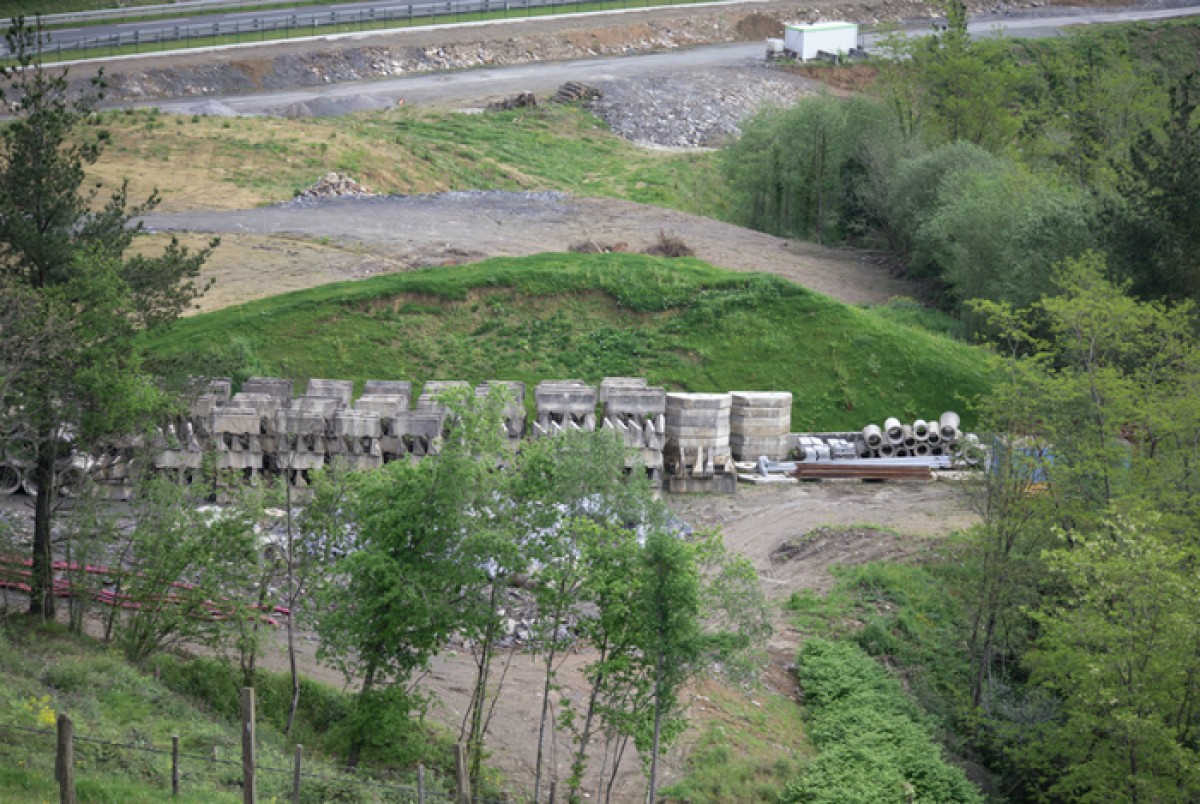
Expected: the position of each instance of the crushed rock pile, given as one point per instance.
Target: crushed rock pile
(210, 108)
(676, 111)
(335, 185)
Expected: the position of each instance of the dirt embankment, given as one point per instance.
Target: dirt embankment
(292, 65)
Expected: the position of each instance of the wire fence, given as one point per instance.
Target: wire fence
(293, 784)
(288, 25)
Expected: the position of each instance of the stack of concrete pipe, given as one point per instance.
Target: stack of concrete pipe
(759, 424)
(923, 438)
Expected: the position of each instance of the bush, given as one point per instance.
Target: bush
(874, 743)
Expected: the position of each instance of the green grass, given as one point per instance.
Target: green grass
(44, 671)
(555, 147)
(750, 745)
(680, 323)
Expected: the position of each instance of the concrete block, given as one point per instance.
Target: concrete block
(758, 430)
(765, 414)
(271, 386)
(609, 384)
(682, 402)
(433, 389)
(389, 388)
(341, 390)
(300, 422)
(324, 407)
(645, 402)
(235, 420)
(357, 424)
(762, 399)
(388, 407)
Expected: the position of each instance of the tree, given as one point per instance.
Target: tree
(71, 258)
(431, 542)
(1161, 185)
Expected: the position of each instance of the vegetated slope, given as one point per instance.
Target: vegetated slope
(235, 163)
(45, 671)
(680, 323)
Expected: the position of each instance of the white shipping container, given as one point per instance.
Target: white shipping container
(832, 37)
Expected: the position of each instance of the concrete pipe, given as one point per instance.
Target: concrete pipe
(910, 438)
(886, 450)
(861, 449)
(934, 437)
(920, 429)
(872, 435)
(29, 483)
(903, 453)
(10, 479)
(921, 449)
(895, 432)
(935, 450)
(948, 424)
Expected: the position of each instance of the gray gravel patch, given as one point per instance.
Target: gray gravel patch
(210, 108)
(332, 107)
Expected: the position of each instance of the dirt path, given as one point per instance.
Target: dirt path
(386, 234)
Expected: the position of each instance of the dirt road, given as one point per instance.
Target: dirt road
(394, 233)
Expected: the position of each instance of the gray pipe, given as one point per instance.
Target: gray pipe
(934, 436)
(921, 450)
(894, 431)
(29, 483)
(902, 453)
(886, 450)
(872, 435)
(948, 424)
(910, 438)
(920, 429)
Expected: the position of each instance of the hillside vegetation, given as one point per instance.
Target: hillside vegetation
(680, 323)
(235, 163)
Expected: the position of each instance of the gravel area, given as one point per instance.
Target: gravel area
(693, 109)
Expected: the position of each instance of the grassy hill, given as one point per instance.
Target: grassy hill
(681, 323)
(125, 710)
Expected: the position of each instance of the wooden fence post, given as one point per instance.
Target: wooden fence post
(553, 792)
(296, 775)
(420, 783)
(175, 765)
(64, 760)
(464, 778)
(248, 796)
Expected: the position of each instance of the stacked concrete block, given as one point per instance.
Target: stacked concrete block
(428, 400)
(564, 405)
(177, 448)
(340, 390)
(514, 406)
(418, 433)
(401, 388)
(391, 409)
(236, 433)
(302, 434)
(271, 386)
(638, 413)
(759, 424)
(356, 439)
(697, 453)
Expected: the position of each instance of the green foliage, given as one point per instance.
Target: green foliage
(1119, 654)
(873, 744)
(575, 315)
(806, 171)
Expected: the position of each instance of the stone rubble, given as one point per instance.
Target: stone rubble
(335, 185)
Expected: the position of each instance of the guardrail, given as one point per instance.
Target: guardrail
(285, 26)
(164, 11)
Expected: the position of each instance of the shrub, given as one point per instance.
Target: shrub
(874, 742)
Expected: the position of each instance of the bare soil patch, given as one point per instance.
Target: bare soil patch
(396, 233)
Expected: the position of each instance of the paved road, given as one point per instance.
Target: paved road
(470, 86)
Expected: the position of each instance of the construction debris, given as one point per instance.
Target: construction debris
(574, 91)
(522, 100)
(335, 185)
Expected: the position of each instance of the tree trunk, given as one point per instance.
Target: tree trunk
(657, 724)
(537, 772)
(291, 623)
(581, 755)
(355, 739)
(41, 581)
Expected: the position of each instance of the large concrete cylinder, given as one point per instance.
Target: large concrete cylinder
(894, 430)
(10, 479)
(873, 436)
(920, 429)
(948, 424)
